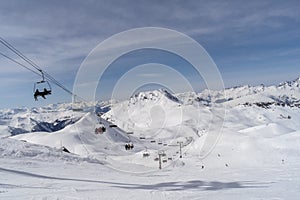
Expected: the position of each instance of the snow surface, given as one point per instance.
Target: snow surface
(256, 155)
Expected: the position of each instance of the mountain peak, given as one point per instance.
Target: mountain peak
(294, 83)
(169, 95)
(297, 81)
(153, 96)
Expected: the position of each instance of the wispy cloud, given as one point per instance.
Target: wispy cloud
(150, 75)
(58, 35)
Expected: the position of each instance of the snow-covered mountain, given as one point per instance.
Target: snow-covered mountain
(287, 93)
(24, 120)
(248, 133)
(51, 118)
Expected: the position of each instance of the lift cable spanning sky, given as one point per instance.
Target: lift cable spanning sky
(34, 68)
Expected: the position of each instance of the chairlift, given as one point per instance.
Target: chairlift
(100, 129)
(146, 154)
(129, 146)
(77, 109)
(113, 125)
(142, 137)
(41, 88)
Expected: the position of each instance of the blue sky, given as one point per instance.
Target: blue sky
(251, 42)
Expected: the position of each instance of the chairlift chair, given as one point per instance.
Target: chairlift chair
(41, 88)
(146, 154)
(129, 145)
(142, 137)
(100, 129)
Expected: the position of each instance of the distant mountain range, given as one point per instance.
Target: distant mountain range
(57, 116)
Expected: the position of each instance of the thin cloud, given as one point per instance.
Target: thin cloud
(150, 75)
(58, 35)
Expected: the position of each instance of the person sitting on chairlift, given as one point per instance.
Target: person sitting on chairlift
(129, 146)
(42, 94)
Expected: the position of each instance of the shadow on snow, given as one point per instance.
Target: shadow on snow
(165, 186)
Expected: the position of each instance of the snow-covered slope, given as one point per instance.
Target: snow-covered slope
(51, 118)
(80, 138)
(256, 155)
(23, 150)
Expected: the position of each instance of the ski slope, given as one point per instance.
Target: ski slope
(256, 156)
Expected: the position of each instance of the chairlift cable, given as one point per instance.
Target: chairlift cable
(15, 61)
(47, 78)
(41, 72)
(18, 53)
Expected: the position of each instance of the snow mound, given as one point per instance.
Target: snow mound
(66, 137)
(268, 130)
(80, 138)
(73, 137)
(10, 148)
